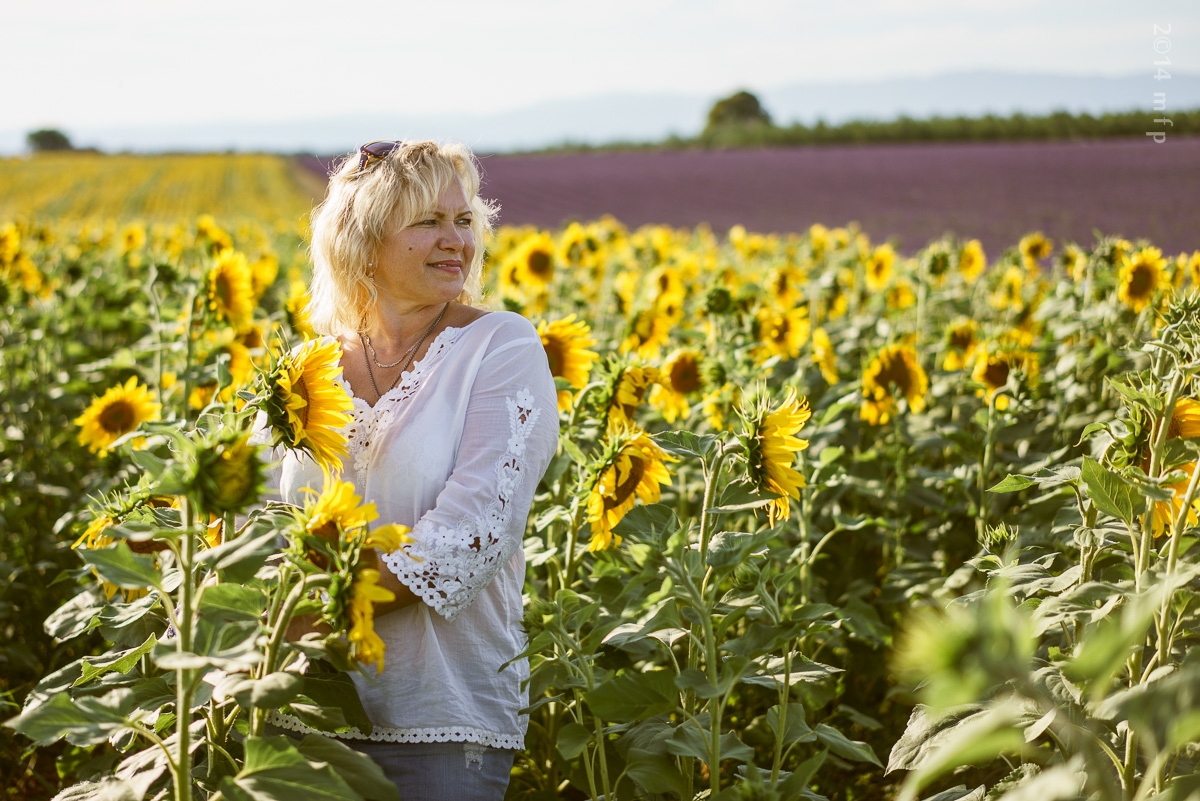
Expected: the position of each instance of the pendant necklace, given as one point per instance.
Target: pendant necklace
(411, 353)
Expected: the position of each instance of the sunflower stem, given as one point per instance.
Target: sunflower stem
(985, 468)
(183, 644)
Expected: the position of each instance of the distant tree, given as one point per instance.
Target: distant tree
(738, 110)
(47, 139)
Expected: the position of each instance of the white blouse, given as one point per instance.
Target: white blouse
(456, 451)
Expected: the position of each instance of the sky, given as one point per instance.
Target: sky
(80, 63)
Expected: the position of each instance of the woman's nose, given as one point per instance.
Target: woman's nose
(452, 239)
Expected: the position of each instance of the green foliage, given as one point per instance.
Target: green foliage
(47, 139)
(739, 110)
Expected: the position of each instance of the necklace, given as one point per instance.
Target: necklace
(411, 353)
(375, 356)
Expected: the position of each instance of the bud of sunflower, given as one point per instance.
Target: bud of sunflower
(229, 475)
(713, 373)
(718, 301)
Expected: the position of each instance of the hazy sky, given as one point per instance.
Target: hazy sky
(71, 63)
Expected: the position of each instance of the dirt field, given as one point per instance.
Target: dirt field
(993, 191)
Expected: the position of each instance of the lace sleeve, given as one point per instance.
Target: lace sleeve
(477, 525)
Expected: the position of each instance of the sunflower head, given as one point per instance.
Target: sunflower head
(782, 332)
(305, 405)
(567, 343)
(628, 384)
(230, 289)
(997, 365)
(681, 377)
(632, 466)
(120, 410)
(771, 446)
(1143, 277)
(972, 261)
(824, 355)
(1035, 247)
(229, 474)
(1184, 424)
(879, 268)
(960, 342)
(894, 373)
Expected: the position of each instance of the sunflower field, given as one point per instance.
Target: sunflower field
(827, 520)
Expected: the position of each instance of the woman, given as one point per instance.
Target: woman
(454, 424)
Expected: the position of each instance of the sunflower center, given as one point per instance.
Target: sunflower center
(961, 339)
(781, 330)
(539, 263)
(222, 290)
(118, 417)
(895, 373)
(556, 357)
(996, 374)
(1141, 281)
(624, 491)
(685, 376)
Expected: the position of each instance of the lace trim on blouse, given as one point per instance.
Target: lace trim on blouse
(446, 734)
(448, 567)
(370, 421)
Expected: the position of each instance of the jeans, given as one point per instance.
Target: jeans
(442, 771)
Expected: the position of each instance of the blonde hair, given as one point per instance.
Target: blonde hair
(360, 209)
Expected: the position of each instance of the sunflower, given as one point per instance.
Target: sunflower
(306, 407)
(1074, 262)
(365, 645)
(633, 467)
(901, 296)
(118, 411)
(879, 268)
(994, 365)
(567, 342)
(230, 475)
(133, 238)
(534, 262)
(335, 510)
(94, 538)
(650, 329)
(296, 307)
(1035, 247)
(230, 289)
(786, 285)
(782, 333)
(818, 240)
(961, 343)
(1185, 423)
(1143, 275)
(1193, 267)
(825, 356)
(771, 448)
(679, 378)
(972, 261)
(894, 369)
(1009, 292)
(263, 273)
(629, 387)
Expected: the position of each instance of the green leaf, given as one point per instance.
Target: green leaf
(120, 566)
(1111, 493)
(337, 691)
(275, 770)
(844, 747)
(656, 773)
(239, 559)
(697, 681)
(228, 601)
(76, 616)
(634, 696)
(796, 784)
(93, 667)
(572, 450)
(690, 740)
(795, 727)
(572, 740)
(684, 443)
(270, 692)
(360, 772)
(741, 496)
(61, 717)
(645, 522)
(1013, 483)
(727, 549)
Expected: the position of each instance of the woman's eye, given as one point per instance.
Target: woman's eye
(464, 220)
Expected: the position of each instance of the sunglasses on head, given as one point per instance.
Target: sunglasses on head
(379, 149)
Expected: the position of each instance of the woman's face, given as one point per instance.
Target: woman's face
(427, 261)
